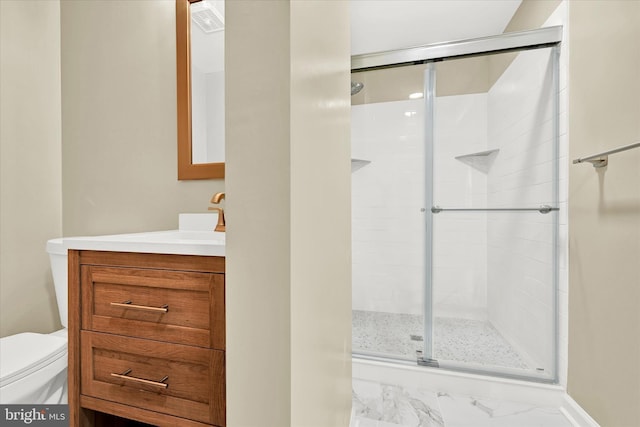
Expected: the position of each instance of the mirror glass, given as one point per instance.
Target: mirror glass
(200, 88)
(207, 81)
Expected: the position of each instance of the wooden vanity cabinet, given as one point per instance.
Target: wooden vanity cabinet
(146, 339)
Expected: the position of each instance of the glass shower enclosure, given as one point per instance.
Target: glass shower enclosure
(455, 205)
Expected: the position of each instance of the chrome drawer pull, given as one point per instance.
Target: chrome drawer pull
(127, 304)
(124, 376)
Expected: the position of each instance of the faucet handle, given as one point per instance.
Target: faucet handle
(217, 198)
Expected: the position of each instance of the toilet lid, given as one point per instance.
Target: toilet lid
(23, 354)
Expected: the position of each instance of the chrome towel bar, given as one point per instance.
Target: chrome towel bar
(544, 209)
(602, 159)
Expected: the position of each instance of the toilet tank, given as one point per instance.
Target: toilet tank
(58, 260)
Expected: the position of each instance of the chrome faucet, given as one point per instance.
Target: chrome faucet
(216, 199)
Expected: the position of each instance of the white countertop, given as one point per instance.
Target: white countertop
(184, 241)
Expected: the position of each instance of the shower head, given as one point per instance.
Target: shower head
(356, 87)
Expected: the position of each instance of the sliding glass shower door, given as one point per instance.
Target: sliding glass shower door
(492, 218)
(388, 182)
(455, 206)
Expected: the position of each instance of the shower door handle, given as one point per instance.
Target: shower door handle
(543, 209)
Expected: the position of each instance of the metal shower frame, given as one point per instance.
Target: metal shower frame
(549, 37)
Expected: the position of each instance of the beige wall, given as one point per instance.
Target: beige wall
(288, 232)
(119, 119)
(258, 214)
(530, 15)
(461, 76)
(30, 151)
(604, 211)
(320, 152)
(117, 163)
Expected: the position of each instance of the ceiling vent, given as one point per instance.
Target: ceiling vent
(207, 17)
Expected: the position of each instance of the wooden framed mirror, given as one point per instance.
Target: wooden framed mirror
(187, 168)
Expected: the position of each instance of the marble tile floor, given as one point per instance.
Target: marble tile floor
(385, 405)
(460, 340)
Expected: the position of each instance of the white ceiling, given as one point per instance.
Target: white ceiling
(378, 25)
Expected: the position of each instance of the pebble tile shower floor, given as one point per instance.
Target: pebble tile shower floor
(460, 340)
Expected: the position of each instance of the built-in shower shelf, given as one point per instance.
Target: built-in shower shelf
(482, 160)
(358, 164)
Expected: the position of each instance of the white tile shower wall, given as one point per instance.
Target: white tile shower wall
(387, 195)
(460, 239)
(519, 251)
(388, 230)
(520, 266)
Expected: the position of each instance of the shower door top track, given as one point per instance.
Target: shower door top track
(520, 40)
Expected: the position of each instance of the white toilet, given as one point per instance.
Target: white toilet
(33, 367)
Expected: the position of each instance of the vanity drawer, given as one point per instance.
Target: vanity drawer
(181, 307)
(132, 370)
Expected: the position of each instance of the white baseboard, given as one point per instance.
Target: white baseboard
(575, 414)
